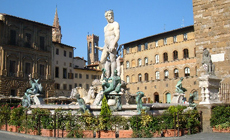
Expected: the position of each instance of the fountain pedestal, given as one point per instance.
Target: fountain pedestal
(177, 98)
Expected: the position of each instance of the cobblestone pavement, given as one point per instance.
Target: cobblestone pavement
(4, 135)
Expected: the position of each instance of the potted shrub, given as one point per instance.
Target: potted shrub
(224, 127)
(4, 116)
(104, 128)
(168, 123)
(88, 124)
(124, 128)
(220, 119)
(16, 117)
(141, 125)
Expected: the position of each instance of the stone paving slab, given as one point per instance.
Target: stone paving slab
(5, 135)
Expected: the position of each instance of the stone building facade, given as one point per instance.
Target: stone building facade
(212, 32)
(25, 48)
(84, 76)
(154, 64)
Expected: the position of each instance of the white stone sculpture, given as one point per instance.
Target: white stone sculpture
(112, 35)
(89, 99)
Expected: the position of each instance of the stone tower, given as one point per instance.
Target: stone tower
(56, 30)
(92, 51)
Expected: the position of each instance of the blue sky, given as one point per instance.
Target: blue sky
(137, 18)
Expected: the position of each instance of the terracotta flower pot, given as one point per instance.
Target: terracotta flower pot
(157, 134)
(61, 133)
(227, 130)
(171, 133)
(47, 132)
(105, 134)
(3, 127)
(125, 133)
(87, 133)
(32, 132)
(12, 128)
(215, 130)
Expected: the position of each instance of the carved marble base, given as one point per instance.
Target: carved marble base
(38, 100)
(177, 98)
(209, 85)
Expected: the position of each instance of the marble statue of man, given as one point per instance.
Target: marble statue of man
(112, 35)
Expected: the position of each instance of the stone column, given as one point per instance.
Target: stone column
(209, 85)
(206, 116)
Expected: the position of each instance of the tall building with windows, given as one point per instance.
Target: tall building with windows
(62, 62)
(155, 63)
(25, 48)
(84, 75)
(63, 69)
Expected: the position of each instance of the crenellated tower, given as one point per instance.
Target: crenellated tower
(92, 51)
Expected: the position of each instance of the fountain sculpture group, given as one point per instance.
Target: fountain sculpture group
(114, 89)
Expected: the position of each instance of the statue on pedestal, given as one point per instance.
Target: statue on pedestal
(178, 97)
(112, 84)
(32, 92)
(191, 101)
(81, 103)
(179, 88)
(140, 107)
(207, 63)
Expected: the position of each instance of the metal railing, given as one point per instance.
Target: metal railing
(224, 93)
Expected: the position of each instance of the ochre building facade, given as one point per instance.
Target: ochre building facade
(154, 64)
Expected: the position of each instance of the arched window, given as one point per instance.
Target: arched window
(195, 94)
(146, 60)
(133, 78)
(165, 55)
(168, 98)
(127, 64)
(127, 79)
(185, 53)
(156, 97)
(139, 62)
(133, 63)
(156, 58)
(176, 73)
(157, 75)
(187, 71)
(146, 77)
(175, 55)
(166, 72)
(139, 77)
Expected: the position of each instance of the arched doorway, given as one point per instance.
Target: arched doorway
(168, 98)
(156, 97)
